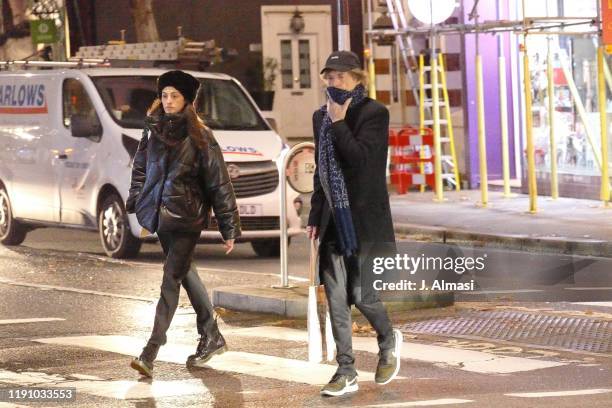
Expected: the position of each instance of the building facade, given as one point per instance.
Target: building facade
(264, 35)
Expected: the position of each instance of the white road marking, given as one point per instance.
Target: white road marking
(429, 403)
(75, 290)
(274, 275)
(591, 288)
(118, 389)
(124, 389)
(221, 270)
(258, 365)
(467, 360)
(98, 293)
(34, 320)
(603, 304)
(501, 292)
(560, 393)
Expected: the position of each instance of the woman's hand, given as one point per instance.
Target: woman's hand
(336, 111)
(229, 246)
(312, 232)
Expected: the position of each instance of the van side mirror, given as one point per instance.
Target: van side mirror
(272, 123)
(85, 126)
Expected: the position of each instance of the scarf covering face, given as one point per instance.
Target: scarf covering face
(330, 173)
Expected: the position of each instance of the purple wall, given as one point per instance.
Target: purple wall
(488, 46)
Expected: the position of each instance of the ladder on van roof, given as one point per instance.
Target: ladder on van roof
(183, 52)
(24, 64)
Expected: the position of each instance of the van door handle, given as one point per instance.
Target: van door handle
(61, 156)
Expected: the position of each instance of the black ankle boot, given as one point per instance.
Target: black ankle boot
(144, 363)
(210, 344)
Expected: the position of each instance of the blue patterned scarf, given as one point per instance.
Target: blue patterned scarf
(330, 173)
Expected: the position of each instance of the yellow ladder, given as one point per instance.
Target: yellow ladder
(450, 170)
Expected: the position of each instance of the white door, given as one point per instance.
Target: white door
(298, 86)
(77, 172)
(300, 56)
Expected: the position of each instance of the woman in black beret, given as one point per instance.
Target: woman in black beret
(178, 175)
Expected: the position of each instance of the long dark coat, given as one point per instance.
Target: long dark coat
(361, 141)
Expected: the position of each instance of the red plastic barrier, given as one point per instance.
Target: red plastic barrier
(410, 147)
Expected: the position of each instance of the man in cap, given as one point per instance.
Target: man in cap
(350, 214)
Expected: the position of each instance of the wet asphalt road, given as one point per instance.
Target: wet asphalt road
(62, 274)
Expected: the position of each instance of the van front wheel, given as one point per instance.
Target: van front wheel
(269, 247)
(11, 232)
(117, 239)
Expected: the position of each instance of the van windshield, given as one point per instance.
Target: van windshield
(220, 103)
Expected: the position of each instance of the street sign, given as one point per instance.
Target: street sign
(43, 31)
(300, 169)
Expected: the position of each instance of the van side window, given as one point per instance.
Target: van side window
(75, 101)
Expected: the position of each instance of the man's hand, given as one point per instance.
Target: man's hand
(229, 246)
(312, 232)
(336, 111)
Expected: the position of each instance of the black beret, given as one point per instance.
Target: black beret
(186, 84)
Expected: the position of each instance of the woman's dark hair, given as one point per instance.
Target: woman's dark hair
(196, 127)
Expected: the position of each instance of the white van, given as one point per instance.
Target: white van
(68, 136)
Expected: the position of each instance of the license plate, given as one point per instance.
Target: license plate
(251, 209)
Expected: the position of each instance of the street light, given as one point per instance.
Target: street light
(425, 11)
(297, 23)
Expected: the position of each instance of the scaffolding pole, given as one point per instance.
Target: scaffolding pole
(503, 106)
(370, 57)
(482, 143)
(601, 90)
(435, 94)
(531, 172)
(554, 182)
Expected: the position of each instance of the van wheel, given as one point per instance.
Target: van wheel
(11, 232)
(117, 239)
(268, 248)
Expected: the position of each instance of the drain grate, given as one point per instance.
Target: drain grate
(573, 333)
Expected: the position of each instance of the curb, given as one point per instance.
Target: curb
(293, 302)
(520, 242)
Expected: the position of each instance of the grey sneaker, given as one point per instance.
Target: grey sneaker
(340, 384)
(389, 362)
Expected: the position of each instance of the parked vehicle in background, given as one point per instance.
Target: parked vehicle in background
(68, 138)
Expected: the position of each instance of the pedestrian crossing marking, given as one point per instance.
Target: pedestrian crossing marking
(124, 389)
(602, 304)
(117, 389)
(74, 290)
(10, 405)
(430, 403)
(33, 320)
(240, 362)
(467, 360)
(560, 393)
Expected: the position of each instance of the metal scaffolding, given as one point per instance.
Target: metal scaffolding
(528, 26)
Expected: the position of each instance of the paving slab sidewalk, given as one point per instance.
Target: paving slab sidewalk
(565, 225)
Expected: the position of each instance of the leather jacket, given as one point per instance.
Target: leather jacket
(175, 183)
